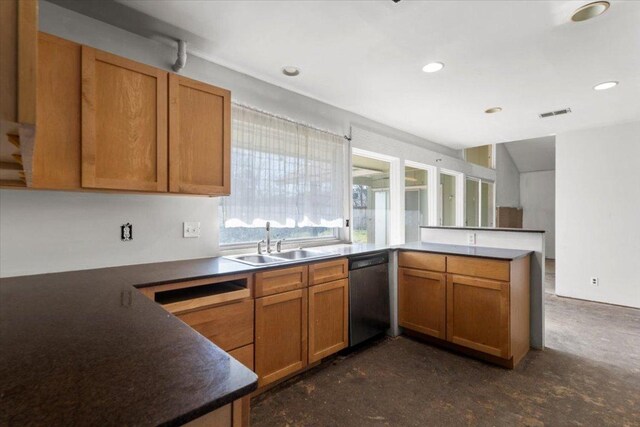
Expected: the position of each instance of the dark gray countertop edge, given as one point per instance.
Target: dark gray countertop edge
(517, 230)
(211, 406)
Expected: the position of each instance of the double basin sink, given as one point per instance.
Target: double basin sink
(279, 257)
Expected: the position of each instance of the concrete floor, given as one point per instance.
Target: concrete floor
(589, 375)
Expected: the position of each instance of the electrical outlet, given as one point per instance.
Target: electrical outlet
(595, 281)
(190, 229)
(471, 238)
(126, 232)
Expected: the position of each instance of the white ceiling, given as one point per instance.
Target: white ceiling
(367, 56)
(532, 155)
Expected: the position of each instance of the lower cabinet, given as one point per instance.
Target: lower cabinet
(474, 303)
(478, 314)
(422, 301)
(234, 414)
(328, 318)
(280, 335)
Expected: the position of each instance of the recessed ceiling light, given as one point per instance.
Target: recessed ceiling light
(605, 85)
(290, 71)
(433, 67)
(590, 10)
(493, 110)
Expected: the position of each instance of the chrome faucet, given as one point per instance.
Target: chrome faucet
(268, 237)
(267, 242)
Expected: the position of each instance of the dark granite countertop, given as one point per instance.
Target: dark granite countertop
(85, 347)
(475, 251)
(520, 230)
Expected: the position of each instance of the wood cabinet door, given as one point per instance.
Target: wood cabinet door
(328, 271)
(281, 280)
(422, 301)
(199, 138)
(124, 123)
(328, 318)
(56, 156)
(281, 335)
(478, 314)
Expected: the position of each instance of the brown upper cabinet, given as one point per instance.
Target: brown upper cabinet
(124, 123)
(109, 123)
(200, 137)
(19, 45)
(56, 158)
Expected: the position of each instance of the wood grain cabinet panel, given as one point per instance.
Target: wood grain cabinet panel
(280, 335)
(422, 301)
(281, 280)
(18, 67)
(228, 326)
(56, 157)
(124, 123)
(328, 319)
(478, 314)
(422, 261)
(321, 272)
(479, 267)
(244, 355)
(200, 137)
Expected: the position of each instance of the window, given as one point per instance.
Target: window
(479, 209)
(472, 203)
(371, 200)
(488, 209)
(482, 156)
(286, 173)
(416, 202)
(448, 193)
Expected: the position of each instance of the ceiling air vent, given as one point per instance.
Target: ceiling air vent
(555, 113)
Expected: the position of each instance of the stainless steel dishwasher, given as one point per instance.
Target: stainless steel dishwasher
(368, 296)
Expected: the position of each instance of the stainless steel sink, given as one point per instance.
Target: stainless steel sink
(256, 259)
(298, 254)
(279, 257)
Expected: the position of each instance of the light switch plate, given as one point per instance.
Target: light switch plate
(471, 238)
(191, 229)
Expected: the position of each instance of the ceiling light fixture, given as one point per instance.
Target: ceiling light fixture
(493, 110)
(290, 71)
(590, 10)
(433, 67)
(605, 85)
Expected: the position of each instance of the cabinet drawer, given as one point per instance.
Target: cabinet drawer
(228, 326)
(422, 261)
(244, 355)
(281, 280)
(328, 271)
(479, 267)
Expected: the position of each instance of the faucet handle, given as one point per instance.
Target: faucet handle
(279, 245)
(260, 246)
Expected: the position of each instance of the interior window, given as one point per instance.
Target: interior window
(482, 156)
(371, 203)
(448, 199)
(416, 202)
(472, 203)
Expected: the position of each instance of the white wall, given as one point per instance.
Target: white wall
(598, 214)
(49, 231)
(56, 231)
(507, 179)
(537, 195)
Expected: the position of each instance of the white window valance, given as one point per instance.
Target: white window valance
(284, 172)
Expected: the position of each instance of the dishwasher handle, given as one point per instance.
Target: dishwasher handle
(369, 260)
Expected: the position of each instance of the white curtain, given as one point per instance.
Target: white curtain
(283, 172)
